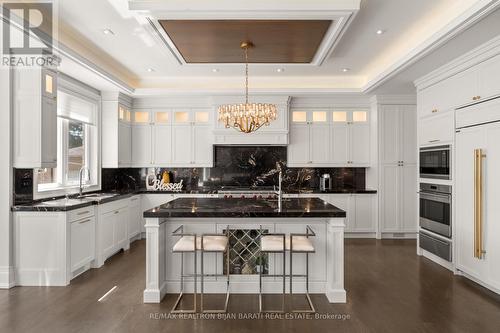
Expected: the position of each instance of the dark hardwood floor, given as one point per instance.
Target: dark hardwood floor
(390, 289)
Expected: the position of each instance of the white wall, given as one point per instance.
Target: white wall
(6, 270)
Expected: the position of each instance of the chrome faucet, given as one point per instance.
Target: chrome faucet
(80, 175)
(280, 191)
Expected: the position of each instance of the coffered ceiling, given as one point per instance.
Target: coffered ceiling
(195, 57)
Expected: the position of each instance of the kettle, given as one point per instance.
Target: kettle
(325, 182)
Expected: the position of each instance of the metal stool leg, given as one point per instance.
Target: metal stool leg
(224, 310)
(283, 276)
(176, 304)
(311, 306)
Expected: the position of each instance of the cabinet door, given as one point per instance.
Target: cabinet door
(107, 225)
(359, 143)
(364, 213)
(162, 143)
(124, 144)
(135, 216)
(467, 140)
(121, 228)
(459, 89)
(141, 145)
(409, 134)
(390, 143)
(182, 145)
(340, 144)
(298, 148)
(202, 146)
(408, 198)
(49, 132)
(390, 198)
(437, 129)
(82, 240)
(489, 78)
(320, 143)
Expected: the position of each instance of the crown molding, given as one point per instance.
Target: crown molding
(482, 53)
(394, 99)
(471, 16)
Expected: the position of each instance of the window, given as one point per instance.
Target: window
(76, 148)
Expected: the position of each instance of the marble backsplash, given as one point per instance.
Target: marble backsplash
(240, 166)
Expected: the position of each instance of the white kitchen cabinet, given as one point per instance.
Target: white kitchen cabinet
(141, 145)
(325, 138)
(486, 137)
(172, 138)
(51, 248)
(438, 129)
(398, 169)
(398, 193)
(82, 242)
(35, 118)
(112, 229)
(135, 217)
(489, 78)
(360, 211)
(117, 132)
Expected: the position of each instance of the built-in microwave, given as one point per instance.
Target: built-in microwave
(435, 162)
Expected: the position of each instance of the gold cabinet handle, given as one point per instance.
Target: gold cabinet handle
(478, 203)
(434, 110)
(475, 98)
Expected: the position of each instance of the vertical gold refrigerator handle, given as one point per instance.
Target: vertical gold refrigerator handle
(478, 203)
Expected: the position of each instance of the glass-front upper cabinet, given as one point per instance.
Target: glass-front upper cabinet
(299, 117)
(142, 117)
(124, 114)
(162, 117)
(340, 117)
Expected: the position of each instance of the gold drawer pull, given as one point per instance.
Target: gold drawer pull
(434, 110)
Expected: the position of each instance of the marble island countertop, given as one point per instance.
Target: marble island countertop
(219, 207)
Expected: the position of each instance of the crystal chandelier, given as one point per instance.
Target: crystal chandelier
(247, 117)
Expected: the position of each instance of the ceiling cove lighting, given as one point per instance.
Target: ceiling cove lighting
(247, 117)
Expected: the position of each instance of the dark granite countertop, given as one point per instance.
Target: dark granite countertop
(62, 204)
(218, 207)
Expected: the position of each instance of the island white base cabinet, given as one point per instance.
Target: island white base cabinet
(51, 248)
(326, 264)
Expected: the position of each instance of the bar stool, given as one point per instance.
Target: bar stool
(216, 243)
(272, 243)
(294, 243)
(185, 244)
(300, 243)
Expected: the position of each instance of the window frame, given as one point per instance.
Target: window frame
(92, 139)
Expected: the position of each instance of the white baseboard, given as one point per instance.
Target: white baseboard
(360, 235)
(399, 235)
(7, 279)
(336, 296)
(40, 278)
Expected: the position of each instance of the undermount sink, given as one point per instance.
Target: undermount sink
(62, 202)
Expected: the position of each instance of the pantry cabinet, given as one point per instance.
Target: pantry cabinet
(172, 138)
(398, 169)
(35, 118)
(326, 138)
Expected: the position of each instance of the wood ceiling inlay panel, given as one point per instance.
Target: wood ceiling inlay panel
(217, 41)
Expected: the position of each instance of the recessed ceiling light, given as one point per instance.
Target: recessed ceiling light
(108, 32)
(280, 70)
(215, 70)
(380, 31)
(345, 70)
(151, 70)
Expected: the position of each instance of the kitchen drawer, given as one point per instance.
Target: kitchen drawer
(80, 213)
(435, 246)
(114, 205)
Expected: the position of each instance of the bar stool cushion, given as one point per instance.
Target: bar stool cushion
(275, 243)
(210, 243)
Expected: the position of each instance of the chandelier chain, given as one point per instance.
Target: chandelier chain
(246, 75)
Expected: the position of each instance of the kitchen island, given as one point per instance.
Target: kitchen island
(243, 220)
